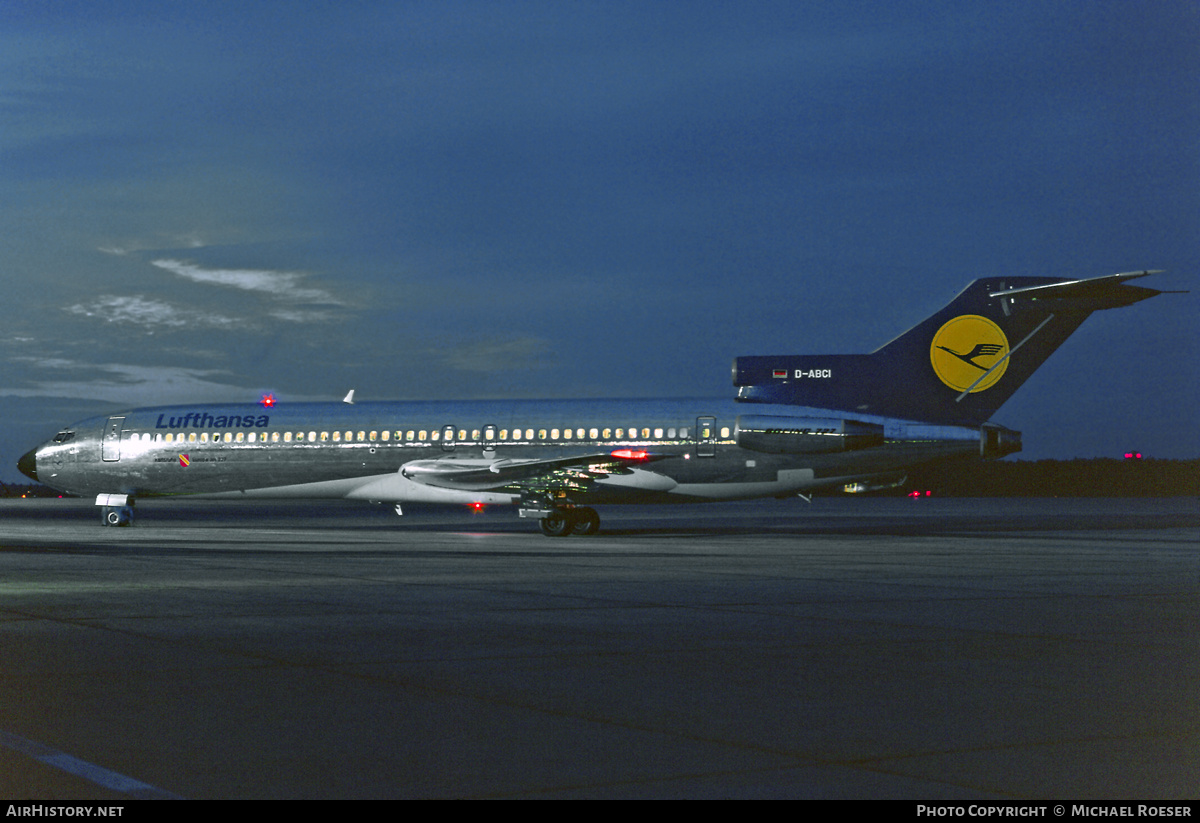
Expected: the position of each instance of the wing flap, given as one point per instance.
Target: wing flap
(468, 474)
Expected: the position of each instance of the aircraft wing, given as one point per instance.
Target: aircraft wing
(493, 475)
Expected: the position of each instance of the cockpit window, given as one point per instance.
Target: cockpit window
(64, 436)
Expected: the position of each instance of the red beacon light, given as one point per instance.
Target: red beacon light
(268, 401)
(1133, 455)
(631, 454)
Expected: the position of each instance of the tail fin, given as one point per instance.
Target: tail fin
(958, 366)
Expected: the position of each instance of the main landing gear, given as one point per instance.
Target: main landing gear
(580, 520)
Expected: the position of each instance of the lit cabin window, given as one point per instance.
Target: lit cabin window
(274, 437)
(620, 433)
(410, 434)
(312, 437)
(158, 437)
(658, 433)
(475, 434)
(423, 435)
(724, 431)
(566, 434)
(287, 437)
(646, 433)
(529, 434)
(337, 437)
(361, 436)
(228, 437)
(541, 434)
(462, 434)
(607, 434)
(593, 434)
(384, 436)
(203, 437)
(504, 434)
(433, 435)
(554, 434)
(253, 437)
(372, 437)
(324, 437)
(170, 437)
(241, 437)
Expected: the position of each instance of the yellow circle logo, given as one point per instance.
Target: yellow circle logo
(966, 349)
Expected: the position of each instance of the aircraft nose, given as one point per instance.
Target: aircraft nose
(28, 464)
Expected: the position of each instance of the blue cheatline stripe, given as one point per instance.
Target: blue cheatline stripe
(81, 768)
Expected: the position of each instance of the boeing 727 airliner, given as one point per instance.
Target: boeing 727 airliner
(797, 423)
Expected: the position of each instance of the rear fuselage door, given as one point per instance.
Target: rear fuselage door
(110, 444)
(706, 436)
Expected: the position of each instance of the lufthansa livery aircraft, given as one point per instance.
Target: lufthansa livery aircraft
(797, 423)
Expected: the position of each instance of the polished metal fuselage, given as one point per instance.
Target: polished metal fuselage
(336, 450)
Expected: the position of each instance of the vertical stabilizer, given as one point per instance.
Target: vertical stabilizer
(955, 367)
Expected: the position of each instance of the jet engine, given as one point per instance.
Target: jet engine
(805, 435)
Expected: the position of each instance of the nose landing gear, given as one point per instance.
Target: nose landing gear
(117, 515)
(116, 509)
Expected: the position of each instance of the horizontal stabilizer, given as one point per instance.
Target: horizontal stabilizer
(1104, 292)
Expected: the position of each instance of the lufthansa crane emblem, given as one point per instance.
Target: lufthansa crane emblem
(967, 348)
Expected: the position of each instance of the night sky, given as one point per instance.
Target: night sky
(209, 201)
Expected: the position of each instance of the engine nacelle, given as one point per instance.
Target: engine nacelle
(997, 441)
(805, 435)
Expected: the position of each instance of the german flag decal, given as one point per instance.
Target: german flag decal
(184, 460)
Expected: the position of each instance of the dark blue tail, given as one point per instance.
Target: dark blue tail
(956, 367)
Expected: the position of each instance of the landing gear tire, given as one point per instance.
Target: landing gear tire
(117, 515)
(587, 522)
(558, 523)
